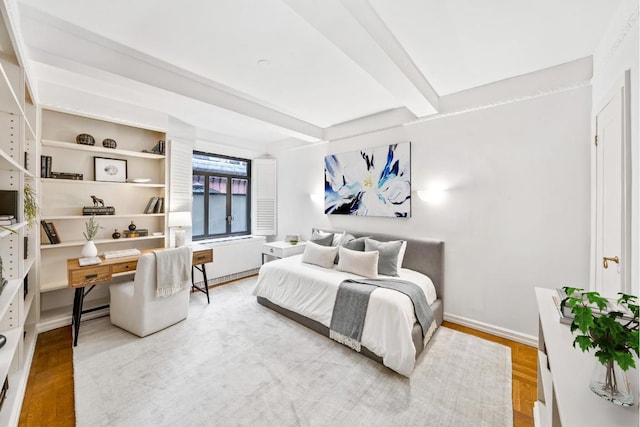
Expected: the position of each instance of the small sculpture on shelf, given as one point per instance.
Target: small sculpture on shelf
(132, 226)
(98, 208)
(97, 201)
(116, 234)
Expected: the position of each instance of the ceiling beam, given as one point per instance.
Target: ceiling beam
(356, 29)
(83, 47)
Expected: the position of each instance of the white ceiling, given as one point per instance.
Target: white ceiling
(329, 61)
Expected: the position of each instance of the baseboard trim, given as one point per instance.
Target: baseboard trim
(229, 278)
(493, 330)
(65, 320)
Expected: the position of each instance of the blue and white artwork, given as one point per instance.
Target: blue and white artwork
(371, 182)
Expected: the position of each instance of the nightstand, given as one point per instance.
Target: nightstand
(282, 249)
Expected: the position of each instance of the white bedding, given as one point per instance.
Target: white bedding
(311, 291)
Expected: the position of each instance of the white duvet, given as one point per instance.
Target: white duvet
(311, 291)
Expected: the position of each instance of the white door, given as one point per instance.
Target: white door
(611, 195)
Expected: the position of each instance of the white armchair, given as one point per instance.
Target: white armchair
(134, 305)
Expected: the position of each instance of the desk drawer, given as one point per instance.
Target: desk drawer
(203, 257)
(125, 267)
(90, 276)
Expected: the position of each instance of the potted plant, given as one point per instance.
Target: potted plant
(91, 230)
(612, 331)
(30, 205)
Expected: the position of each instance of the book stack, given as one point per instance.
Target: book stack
(7, 220)
(98, 210)
(155, 205)
(50, 231)
(66, 175)
(142, 232)
(566, 316)
(45, 166)
(157, 149)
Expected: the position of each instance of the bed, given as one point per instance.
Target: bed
(306, 293)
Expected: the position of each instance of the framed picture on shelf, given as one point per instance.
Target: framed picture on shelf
(111, 170)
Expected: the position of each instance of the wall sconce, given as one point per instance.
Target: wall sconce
(317, 197)
(179, 220)
(435, 194)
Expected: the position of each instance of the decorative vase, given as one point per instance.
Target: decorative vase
(89, 249)
(180, 237)
(85, 139)
(611, 383)
(116, 234)
(132, 226)
(109, 143)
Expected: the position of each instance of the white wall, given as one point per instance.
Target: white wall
(617, 52)
(516, 215)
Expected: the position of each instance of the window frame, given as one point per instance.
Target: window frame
(229, 202)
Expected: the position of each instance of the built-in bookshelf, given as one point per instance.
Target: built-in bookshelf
(63, 200)
(19, 299)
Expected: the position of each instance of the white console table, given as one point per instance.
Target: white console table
(564, 372)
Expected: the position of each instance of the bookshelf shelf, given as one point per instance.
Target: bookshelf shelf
(100, 150)
(92, 183)
(99, 242)
(86, 217)
(14, 227)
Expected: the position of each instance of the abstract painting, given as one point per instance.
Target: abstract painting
(371, 182)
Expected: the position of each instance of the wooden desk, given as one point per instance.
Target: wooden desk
(91, 275)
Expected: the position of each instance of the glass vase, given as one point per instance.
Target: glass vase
(611, 383)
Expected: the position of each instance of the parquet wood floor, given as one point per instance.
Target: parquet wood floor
(49, 399)
(524, 374)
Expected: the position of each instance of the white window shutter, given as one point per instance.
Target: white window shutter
(264, 196)
(180, 176)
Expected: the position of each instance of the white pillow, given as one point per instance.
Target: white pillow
(360, 263)
(319, 255)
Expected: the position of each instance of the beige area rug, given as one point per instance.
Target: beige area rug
(237, 363)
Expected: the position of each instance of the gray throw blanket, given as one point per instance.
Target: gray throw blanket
(352, 300)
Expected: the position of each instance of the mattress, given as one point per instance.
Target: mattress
(310, 291)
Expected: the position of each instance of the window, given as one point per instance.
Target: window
(221, 196)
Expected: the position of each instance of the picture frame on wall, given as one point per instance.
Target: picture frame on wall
(109, 170)
(373, 181)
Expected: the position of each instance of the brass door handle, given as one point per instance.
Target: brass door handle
(605, 261)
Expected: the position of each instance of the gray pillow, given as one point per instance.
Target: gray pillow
(322, 239)
(356, 244)
(388, 259)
